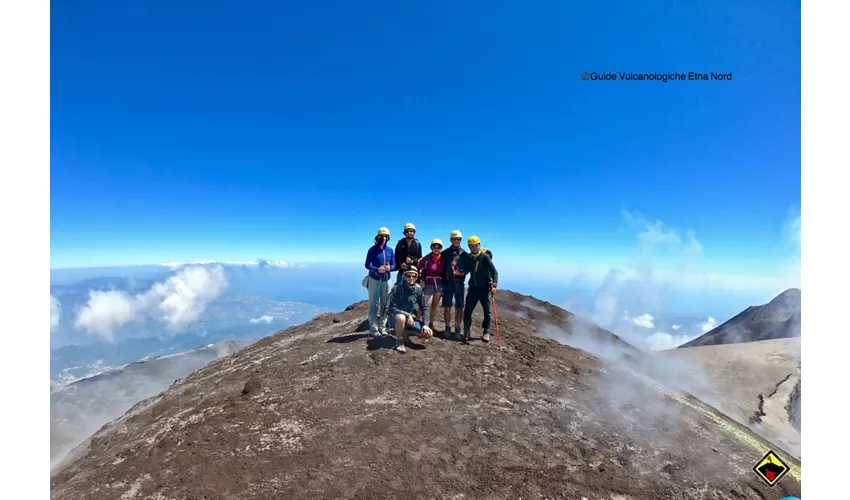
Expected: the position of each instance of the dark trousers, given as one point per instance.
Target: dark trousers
(475, 295)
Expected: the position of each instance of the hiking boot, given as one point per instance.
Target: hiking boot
(457, 331)
(467, 336)
(383, 332)
(486, 337)
(374, 333)
(399, 346)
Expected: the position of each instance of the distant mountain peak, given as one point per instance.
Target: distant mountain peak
(779, 318)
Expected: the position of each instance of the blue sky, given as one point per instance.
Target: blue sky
(292, 131)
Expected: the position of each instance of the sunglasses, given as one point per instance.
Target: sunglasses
(410, 275)
(409, 231)
(436, 246)
(456, 239)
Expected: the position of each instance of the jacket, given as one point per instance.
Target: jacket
(449, 254)
(480, 269)
(404, 299)
(375, 258)
(402, 252)
(431, 270)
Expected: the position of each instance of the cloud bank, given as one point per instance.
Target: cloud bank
(176, 302)
(259, 263)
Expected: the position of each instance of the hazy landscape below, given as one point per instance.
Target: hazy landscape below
(80, 408)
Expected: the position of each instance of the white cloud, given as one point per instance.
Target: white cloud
(644, 321)
(660, 340)
(107, 311)
(260, 263)
(176, 265)
(55, 312)
(676, 327)
(181, 299)
(654, 234)
(176, 302)
(262, 319)
(710, 324)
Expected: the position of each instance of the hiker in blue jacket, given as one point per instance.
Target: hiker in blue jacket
(380, 262)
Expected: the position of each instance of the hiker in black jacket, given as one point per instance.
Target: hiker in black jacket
(453, 285)
(483, 279)
(408, 251)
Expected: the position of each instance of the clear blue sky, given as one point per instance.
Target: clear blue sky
(233, 130)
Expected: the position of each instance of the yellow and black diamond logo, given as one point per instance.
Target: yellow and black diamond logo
(771, 468)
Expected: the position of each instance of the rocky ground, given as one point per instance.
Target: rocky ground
(318, 411)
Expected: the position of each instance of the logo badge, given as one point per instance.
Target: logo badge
(771, 468)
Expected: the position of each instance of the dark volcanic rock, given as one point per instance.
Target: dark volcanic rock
(341, 416)
(779, 318)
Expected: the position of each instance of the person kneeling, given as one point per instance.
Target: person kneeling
(404, 299)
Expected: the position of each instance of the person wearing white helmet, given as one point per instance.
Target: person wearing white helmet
(431, 275)
(453, 285)
(408, 251)
(380, 261)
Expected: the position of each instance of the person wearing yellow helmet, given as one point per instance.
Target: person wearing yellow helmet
(453, 285)
(483, 279)
(380, 261)
(431, 275)
(408, 251)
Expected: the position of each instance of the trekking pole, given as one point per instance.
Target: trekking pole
(496, 319)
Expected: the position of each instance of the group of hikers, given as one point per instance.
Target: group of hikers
(423, 280)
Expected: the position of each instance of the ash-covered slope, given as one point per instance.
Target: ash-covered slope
(316, 411)
(758, 384)
(80, 408)
(778, 319)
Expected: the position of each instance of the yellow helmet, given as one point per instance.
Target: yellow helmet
(456, 234)
(383, 232)
(473, 240)
(437, 241)
(412, 270)
(409, 225)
